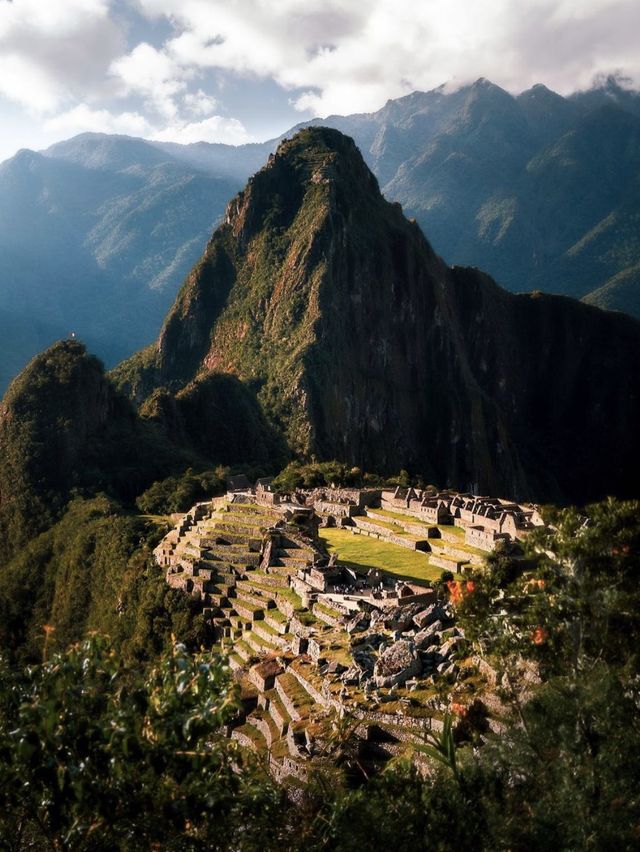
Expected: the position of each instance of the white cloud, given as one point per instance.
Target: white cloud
(216, 128)
(24, 82)
(74, 65)
(154, 75)
(350, 56)
(199, 103)
(82, 119)
(52, 52)
(52, 19)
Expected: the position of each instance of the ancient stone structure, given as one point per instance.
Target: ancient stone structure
(310, 639)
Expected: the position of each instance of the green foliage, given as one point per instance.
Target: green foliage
(93, 570)
(179, 493)
(573, 602)
(316, 474)
(561, 773)
(96, 756)
(442, 748)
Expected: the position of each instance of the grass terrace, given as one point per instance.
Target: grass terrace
(361, 552)
(398, 516)
(381, 521)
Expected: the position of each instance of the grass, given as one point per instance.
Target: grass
(306, 618)
(159, 520)
(408, 519)
(390, 525)
(361, 552)
(276, 615)
(293, 597)
(458, 545)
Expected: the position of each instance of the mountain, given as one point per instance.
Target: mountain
(541, 191)
(95, 235)
(65, 430)
(361, 344)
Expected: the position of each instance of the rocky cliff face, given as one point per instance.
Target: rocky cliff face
(361, 344)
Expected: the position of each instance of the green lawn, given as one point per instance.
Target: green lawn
(361, 553)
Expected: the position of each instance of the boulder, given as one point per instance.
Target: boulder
(397, 664)
(432, 613)
(364, 659)
(400, 617)
(452, 646)
(359, 623)
(373, 640)
(425, 637)
(351, 677)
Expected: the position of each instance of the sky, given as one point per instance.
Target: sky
(246, 70)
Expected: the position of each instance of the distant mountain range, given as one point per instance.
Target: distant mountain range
(95, 237)
(541, 191)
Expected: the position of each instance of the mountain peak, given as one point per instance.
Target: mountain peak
(318, 158)
(360, 344)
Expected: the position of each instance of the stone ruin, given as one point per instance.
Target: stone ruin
(311, 640)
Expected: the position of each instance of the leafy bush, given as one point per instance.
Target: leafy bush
(96, 756)
(179, 493)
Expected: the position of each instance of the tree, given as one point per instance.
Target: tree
(96, 756)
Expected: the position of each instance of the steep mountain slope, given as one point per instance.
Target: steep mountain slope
(364, 346)
(542, 191)
(497, 188)
(94, 236)
(63, 426)
(65, 429)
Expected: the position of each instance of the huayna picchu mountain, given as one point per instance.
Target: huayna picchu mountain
(362, 345)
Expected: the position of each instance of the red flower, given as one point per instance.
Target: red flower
(539, 636)
(471, 587)
(459, 709)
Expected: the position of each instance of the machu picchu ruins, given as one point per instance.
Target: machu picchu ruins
(313, 638)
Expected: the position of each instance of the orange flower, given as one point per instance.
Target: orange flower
(539, 636)
(471, 587)
(455, 590)
(459, 709)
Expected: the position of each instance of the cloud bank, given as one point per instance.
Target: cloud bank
(159, 67)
